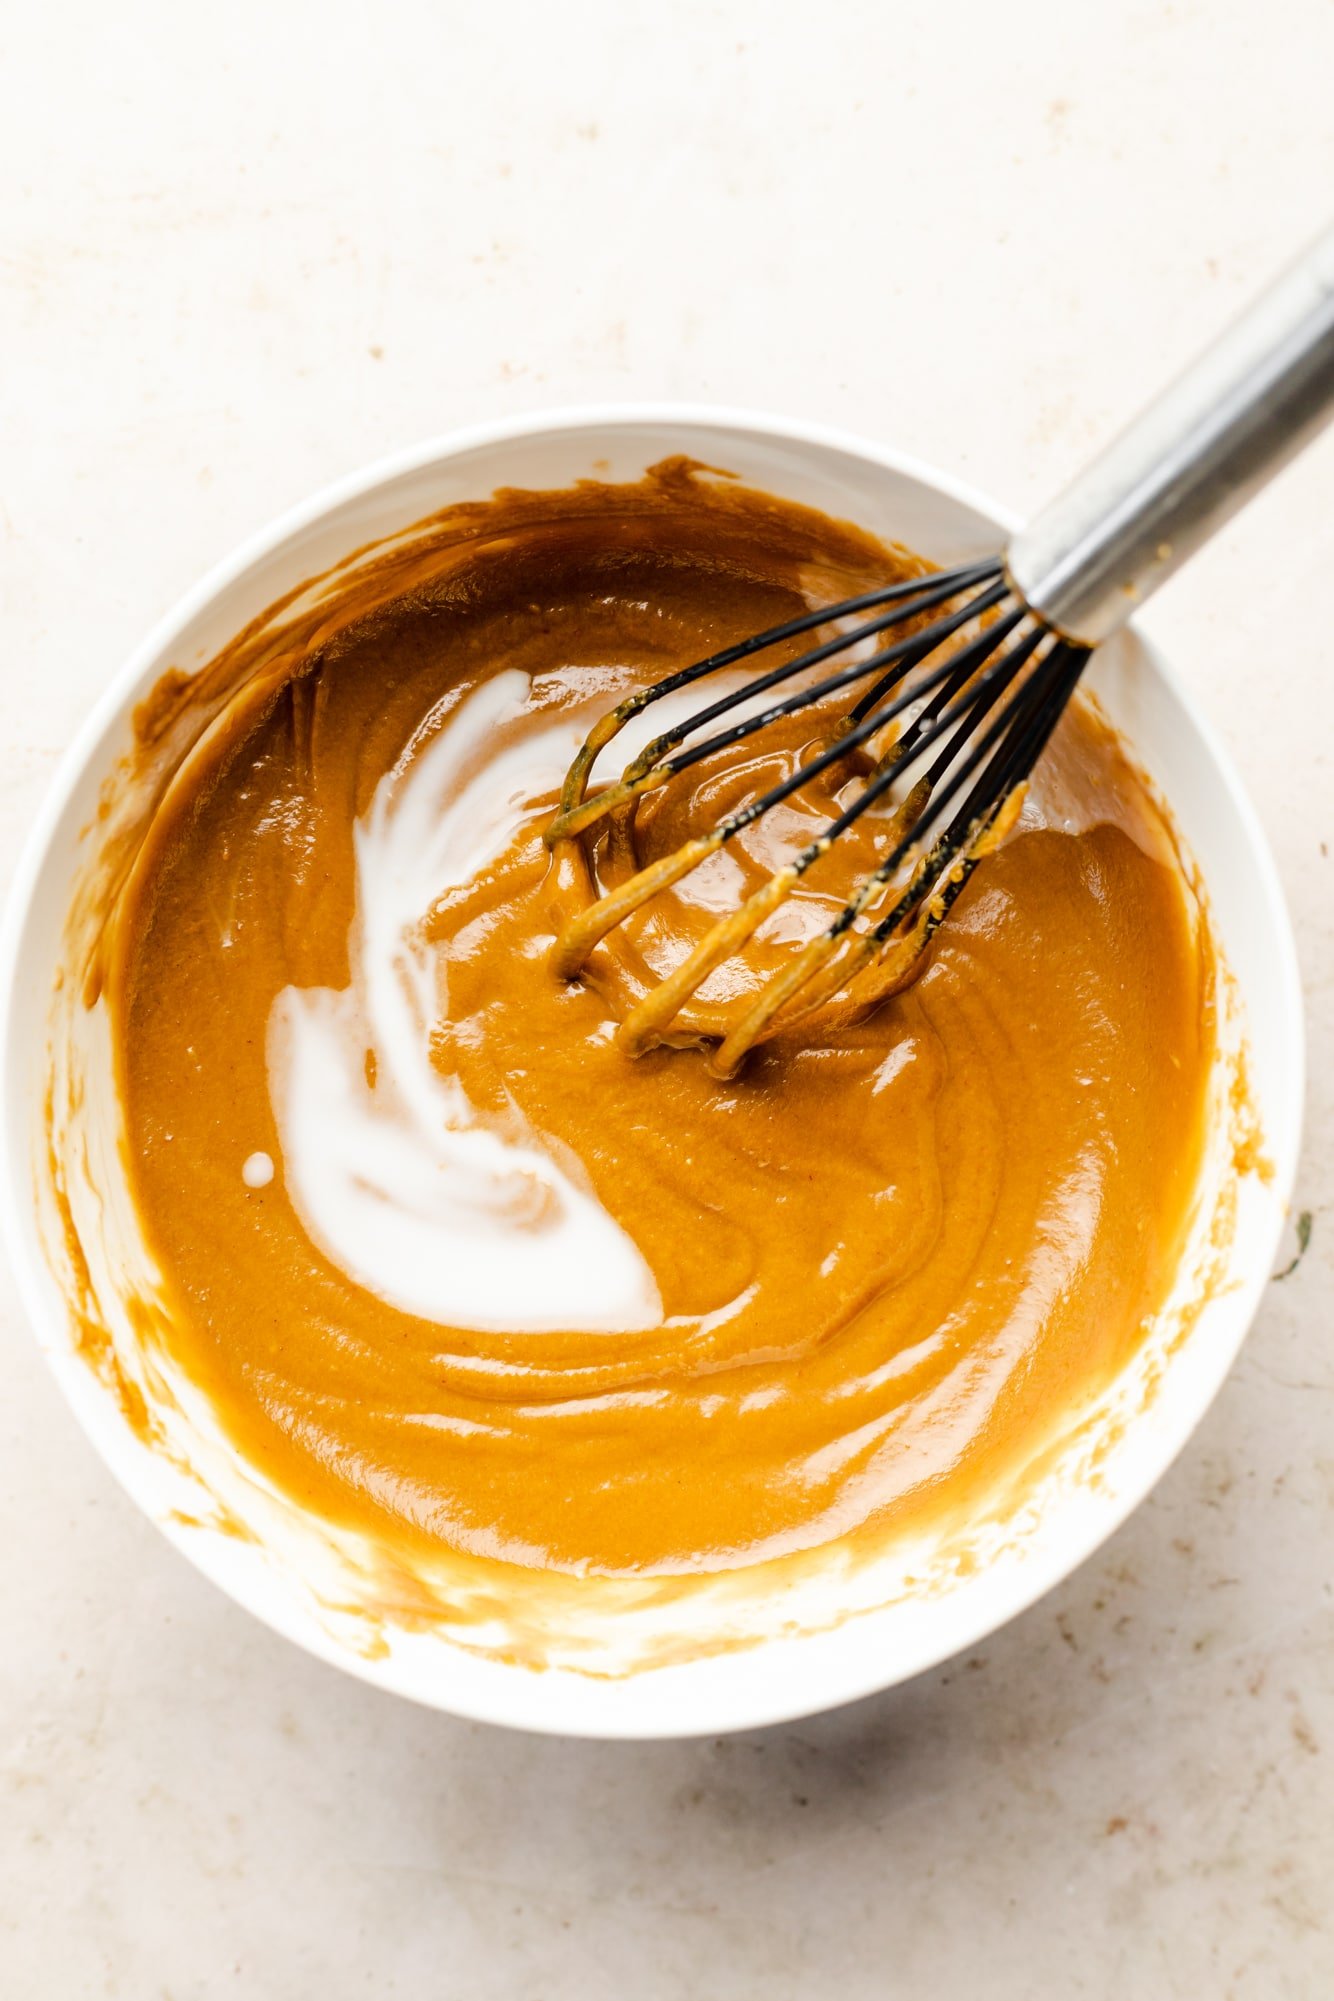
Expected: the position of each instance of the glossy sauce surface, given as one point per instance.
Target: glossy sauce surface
(510, 1291)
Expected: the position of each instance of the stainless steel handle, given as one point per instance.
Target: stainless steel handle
(1196, 455)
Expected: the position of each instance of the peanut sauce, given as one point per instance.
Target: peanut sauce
(452, 1267)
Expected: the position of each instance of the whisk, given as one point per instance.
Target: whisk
(951, 715)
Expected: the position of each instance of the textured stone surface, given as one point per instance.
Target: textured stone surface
(244, 250)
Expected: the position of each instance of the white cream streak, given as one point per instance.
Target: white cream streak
(397, 1183)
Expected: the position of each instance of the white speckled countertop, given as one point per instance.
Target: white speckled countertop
(243, 250)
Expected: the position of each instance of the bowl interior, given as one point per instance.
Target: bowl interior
(898, 1630)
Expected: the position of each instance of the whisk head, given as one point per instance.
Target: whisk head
(947, 721)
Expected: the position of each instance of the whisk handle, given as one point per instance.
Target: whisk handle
(1196, 455)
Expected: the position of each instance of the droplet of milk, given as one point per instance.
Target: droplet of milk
(257, 1171)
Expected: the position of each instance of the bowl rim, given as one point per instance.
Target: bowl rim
(867, 1676)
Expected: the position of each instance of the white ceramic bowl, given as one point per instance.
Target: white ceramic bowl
(860, 1637)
